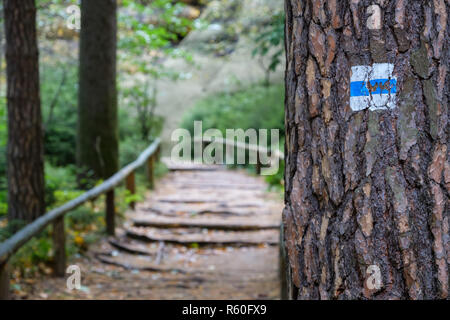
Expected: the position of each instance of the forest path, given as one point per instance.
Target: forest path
(203, 233)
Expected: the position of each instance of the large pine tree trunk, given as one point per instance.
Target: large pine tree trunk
(367, 183)
(25, 141)
(97, 145)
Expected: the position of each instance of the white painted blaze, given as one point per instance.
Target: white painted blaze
(383, 87)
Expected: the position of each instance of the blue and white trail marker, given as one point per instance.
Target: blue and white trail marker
(373, 87)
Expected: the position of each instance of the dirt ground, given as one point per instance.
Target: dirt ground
(224, 274)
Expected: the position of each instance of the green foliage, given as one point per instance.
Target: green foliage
(257, 107)
(130, 149)
(152, 39)
(270, 42)
(129, 197)
(60, 185)
(59, 84)
(160, 170)
(53, 4)
(83, 219)
(276, 181)
(142, 98)
(156, 35)
(34, 252)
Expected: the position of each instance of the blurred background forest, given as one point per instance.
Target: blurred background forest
(178, 61)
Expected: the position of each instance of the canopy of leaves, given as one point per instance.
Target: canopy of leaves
(270, 41)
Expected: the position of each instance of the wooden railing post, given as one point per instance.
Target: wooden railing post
(110, 213)
(258, 163)
(150, 171)
(205, 143)
(59, 247)
(131, 187)
(158, 153)
(4, 282)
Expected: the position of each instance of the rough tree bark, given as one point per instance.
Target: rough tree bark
(25, 141)
(369, 187)
(97, 145)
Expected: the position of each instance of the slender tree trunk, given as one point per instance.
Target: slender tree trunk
(25, 141)
(97, 145)
(367, 144)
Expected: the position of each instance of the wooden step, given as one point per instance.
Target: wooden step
(188, 200)
(203, 236)
(158, 221)
(189, 165)
(216, 186)
(216, 196)
(143, 263)
(191, 209)
(133, 246)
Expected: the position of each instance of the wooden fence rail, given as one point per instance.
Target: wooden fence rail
(55, 216)
(241, 145)
(277, 155)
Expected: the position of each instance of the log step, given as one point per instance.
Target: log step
(143, 263)
(199, 236)
(242, 224)
(203, 210)
(216, 186)
(189, 166)
(132, 247)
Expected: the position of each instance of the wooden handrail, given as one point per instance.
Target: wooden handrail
(11, 245)
(278, 154)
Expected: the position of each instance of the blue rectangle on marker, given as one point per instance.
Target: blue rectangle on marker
(359, 88)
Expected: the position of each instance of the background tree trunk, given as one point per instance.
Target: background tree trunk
(25, 140)
(367, 187)
(97, 145)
